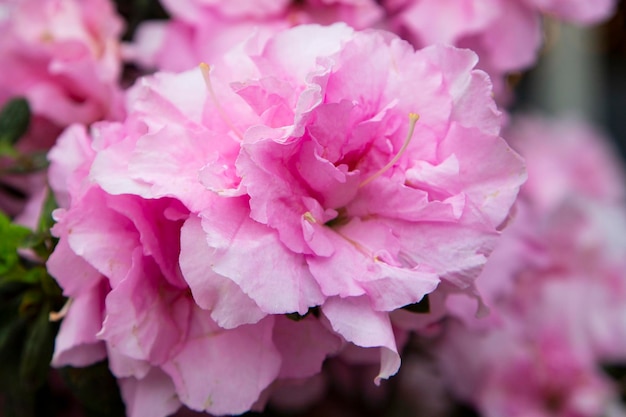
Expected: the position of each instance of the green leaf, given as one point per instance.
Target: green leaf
(19, 403)
(33, 240)
(38, 349)
(50, 286)
(42, 242)
(31, 302)
(12, 331)
(14, 120)
(45, 220)
(24, 163)
(7, 149)
(11, 288)
(96, 389)
(12, 237)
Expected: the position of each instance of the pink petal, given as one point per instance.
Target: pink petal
(229, 305)
(243, 357)
(153, 395)
(303, 346)
(76, 343)
(145, 317)
(72, 272)
(279, 281)
(354, 319)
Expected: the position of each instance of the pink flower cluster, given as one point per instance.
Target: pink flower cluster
(249, 219)
(555, 285)
(506, 34)
(204, 30)
(63, 56)
(317, 192)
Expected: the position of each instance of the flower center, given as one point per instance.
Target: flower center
(413, 118)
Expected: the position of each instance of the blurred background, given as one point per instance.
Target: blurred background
(582, 71)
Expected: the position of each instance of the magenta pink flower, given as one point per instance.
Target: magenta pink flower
(522, 371)
(204, 30)
(117, 259)
(574, 192)
(555, 285)
(506, 34)
(280, 181)
(566, 157)
(63, 56)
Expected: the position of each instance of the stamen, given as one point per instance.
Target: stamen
(309, 217)
(413, 118)
(206, 74)
(357, 246)
(56, 316)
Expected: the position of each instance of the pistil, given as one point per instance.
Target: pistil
(413, 118)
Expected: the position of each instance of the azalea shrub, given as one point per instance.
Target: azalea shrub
(300, 207)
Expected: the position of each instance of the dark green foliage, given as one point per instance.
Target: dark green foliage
(27, 297)
(96, 389)
(37, 350)
(14, 121)
(28, 294)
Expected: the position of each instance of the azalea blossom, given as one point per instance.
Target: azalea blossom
(509, 372)
(64, 57)
(506, 34)
(555, 285)
(203, 30)
(279, 196)
(64, 52)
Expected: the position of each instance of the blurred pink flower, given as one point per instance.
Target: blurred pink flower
(204, 30)
(283, 180)
(566, 158)
(63, 56)
(556, 285)
(506, 34)
(522, 371)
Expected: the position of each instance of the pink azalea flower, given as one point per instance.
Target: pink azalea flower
(524, 371)
(117, 259)
(204, 30)
(63, 56)
(567, 157)
(570, 204)
(555, 285)
(506, 34)
(283, 180)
